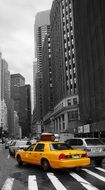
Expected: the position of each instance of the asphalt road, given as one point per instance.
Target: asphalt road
(30, 177)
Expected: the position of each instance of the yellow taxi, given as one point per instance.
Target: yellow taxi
(51, 154)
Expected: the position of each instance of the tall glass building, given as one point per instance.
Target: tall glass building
(41, 28)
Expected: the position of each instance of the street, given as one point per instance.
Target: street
(29, 177)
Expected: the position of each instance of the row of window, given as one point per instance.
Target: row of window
(72, 115)
(73, 101)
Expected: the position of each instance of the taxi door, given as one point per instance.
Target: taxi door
(28, 156)
(37, 153)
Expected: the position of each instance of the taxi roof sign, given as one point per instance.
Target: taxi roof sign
(47, 137)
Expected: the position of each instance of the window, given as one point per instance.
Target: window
(73, 142)
(79, 142)
(59, 146)
(31, 147)
(39, 147)
(94, 142)
(75, 101)
(69, 102)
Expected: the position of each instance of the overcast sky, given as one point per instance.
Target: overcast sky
(17, 19)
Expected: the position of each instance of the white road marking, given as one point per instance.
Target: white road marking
(101, 169)
(8, 184)
(57, 184)
(32, 183)
(83, 182)
(8, 156)
(94, 174)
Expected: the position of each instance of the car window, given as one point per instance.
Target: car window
(73, 142)
(39, 147)
(20, 143)
(30, 148)
(59, 146)
(94, 142)
(79, 142)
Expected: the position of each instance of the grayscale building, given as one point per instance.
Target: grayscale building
(89, 25)
(21, 94)
(47, 76)
(65, 116)
(4, 94)
(41, 28)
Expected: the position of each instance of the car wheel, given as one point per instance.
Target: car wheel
(98, 162)
(10, 153)
(13, 153)
(45, 165)
(20, 163)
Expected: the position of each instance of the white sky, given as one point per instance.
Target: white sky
(17, 19)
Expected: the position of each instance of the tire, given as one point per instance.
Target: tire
(10, 153)
(98, 162)
(13, 153)
(45, 165)
(20, 163)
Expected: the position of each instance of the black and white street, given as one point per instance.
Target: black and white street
(29, 177)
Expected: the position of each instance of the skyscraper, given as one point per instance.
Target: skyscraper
(4, 93)
(41, 28)
(34, 84)
(25, 109)
(5, 82)
(89, 24)
(64, 70)
(0, 89)
(21, 94)
(47, 76)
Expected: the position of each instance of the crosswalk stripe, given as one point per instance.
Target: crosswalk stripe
(83, 182)
(94, 174)
(8, 184)
(8, 156)
(101, 169)
(32, 183)
(57, 184)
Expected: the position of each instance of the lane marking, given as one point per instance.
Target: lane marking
(83, 182)
(8, 184)
(32, 183)
(55, 181)
(94, 174)
(8, 156)
(101, 169)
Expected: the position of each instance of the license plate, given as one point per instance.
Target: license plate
(75, 156)
(97, 150)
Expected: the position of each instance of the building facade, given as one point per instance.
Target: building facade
(90, 55)
(4, 123)
(41, 28)
(21, 94)
(4, 93)
(5, 82)
(64, 70)
(47, 76)
(0, 89)
(25, 109)
(34, 84)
